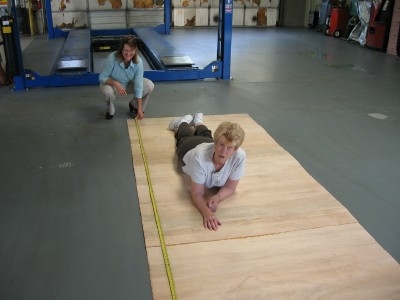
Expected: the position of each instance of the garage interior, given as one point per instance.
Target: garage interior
(70, 222)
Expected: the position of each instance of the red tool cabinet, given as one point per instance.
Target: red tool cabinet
(379, 25)
(337, 22)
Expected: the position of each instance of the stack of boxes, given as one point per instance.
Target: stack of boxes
(108, 14)
(138, 13)
(237, 17)
(190, 12)
(206, 13)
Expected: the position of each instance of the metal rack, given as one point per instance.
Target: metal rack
(219, 68)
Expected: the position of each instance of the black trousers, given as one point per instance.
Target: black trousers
(187, 139)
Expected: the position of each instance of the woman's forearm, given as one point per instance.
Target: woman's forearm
(224, 193)
(201, 204)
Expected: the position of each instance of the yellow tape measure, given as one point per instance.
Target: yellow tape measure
(157, 217)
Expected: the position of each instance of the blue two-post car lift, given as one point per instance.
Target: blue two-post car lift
(218, 69)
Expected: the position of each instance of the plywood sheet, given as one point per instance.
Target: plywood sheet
(283, 236)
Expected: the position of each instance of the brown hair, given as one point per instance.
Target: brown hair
(231, 131)
(131, 42)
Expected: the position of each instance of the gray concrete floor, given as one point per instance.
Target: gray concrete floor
(70, 223)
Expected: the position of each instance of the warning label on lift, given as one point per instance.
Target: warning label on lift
(228, 6)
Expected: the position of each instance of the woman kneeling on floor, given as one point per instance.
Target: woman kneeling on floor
(123, 76)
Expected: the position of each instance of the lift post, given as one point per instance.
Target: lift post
(225, 36)
(218, 69)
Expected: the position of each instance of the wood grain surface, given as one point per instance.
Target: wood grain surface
(283, 236)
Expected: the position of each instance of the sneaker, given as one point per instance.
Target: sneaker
(110, 111)
(174, 124)
(108, 116)
(198, 118)
(131, 108)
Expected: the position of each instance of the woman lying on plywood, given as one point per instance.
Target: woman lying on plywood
(210, 162)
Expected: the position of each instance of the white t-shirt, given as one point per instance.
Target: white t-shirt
(199, 166)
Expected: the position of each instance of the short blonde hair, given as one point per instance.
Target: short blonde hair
(231, 131)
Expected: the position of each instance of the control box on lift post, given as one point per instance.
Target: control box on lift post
(379, 25)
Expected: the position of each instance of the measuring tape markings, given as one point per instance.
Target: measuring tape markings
(157, 217)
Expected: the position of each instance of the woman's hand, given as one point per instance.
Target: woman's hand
(211, 222)
(120, 89)
(213, 203)
(140, 115)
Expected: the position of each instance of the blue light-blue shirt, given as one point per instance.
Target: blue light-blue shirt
(115, 69)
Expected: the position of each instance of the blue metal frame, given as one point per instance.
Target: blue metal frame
(219, 69)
